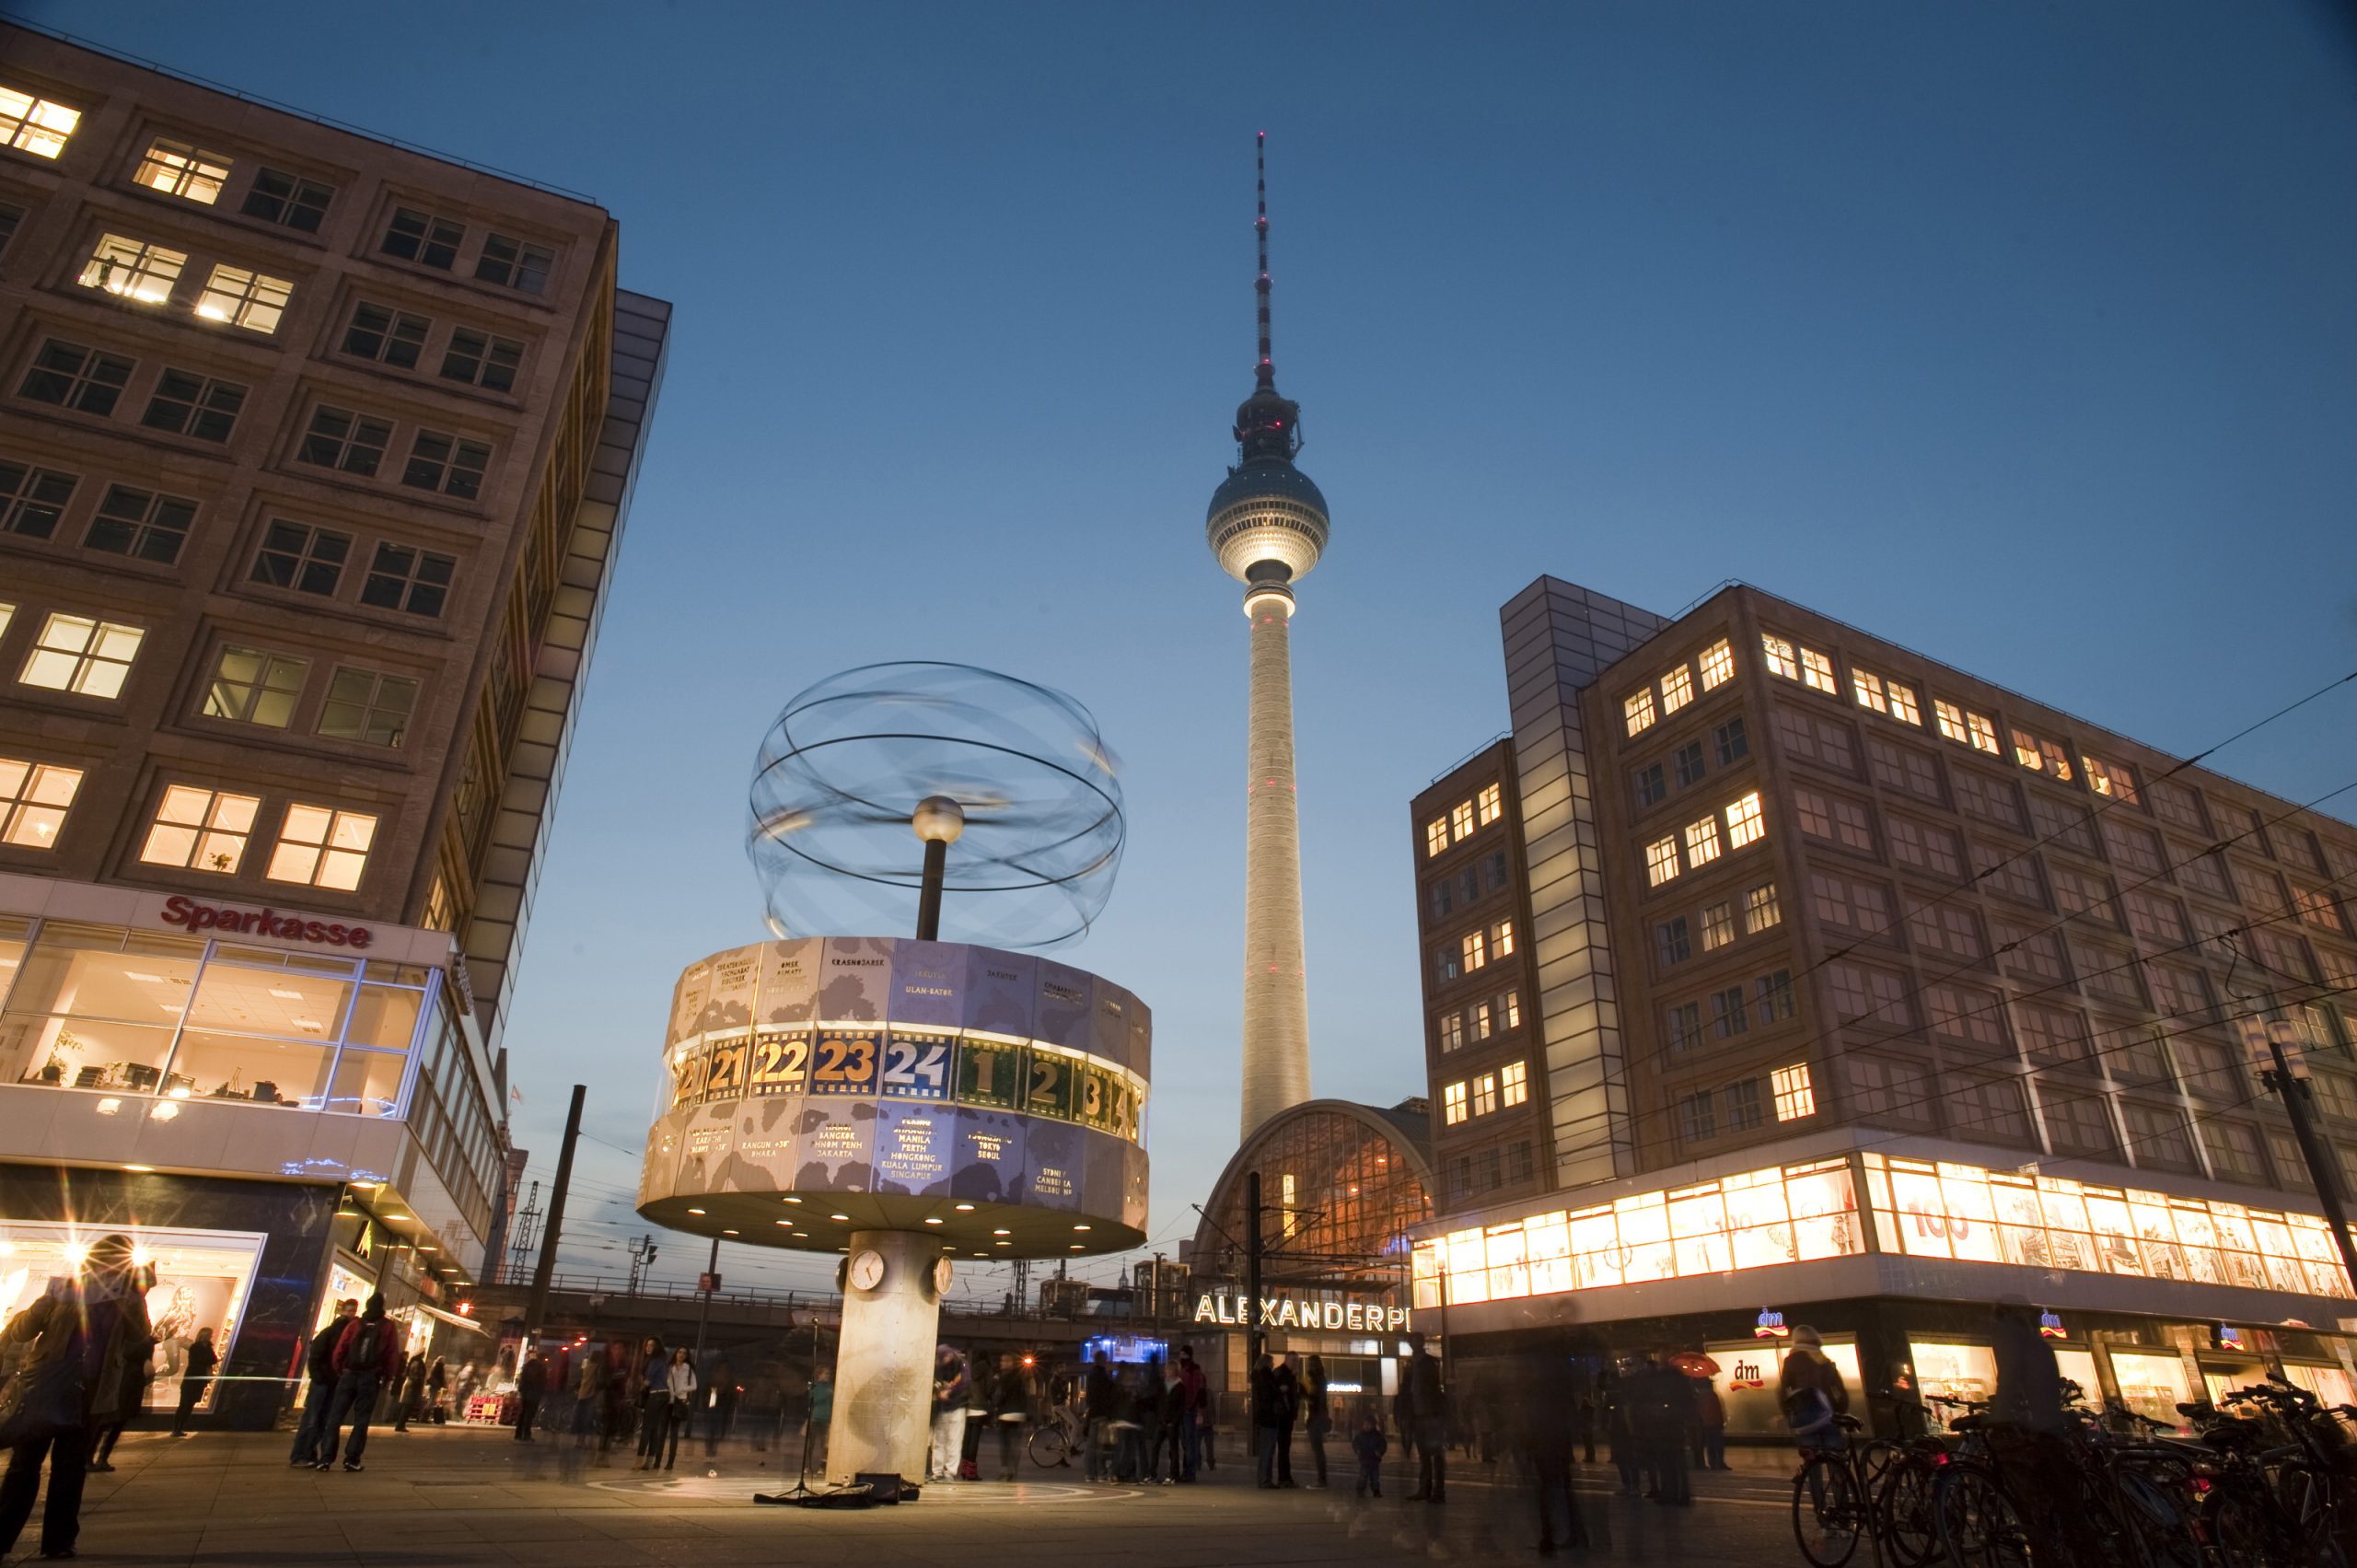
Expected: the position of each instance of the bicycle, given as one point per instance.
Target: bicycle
(1833, 1494)
(1056, 1439)
(2269, 1492)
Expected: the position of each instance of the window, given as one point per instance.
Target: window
(347, 442)
(1446, 963)
(1834, 819)
(481, 360)
(1946, 929)
(1650, 786)
(34, 797)
(322, 848)
(1817, 672)
(2030, 954)
(139, 524)
(11, 219)
(1926, 847)
(1746, 823)
(185, 403)
(1452, 1033)
(1904, 769)
(1442, 895)
(1494, 871)
(1485, 1094)
(2182, 993)
(1514, 1084)
(2157, 920)
(513, 263)
(1690, 764)
(2080, 892)
(2079, 1124)
(1435, 836)
(1718, 926)
(1903, 706)
(402, 577)
(2115, 778)
(178, 169)
(1888, 697)
(1488, 805)
(1810, 739)
(1460, 821)
(1794, 1097)
(1862, 994)
(1718, 665)
(2131, 846)
(76, 378)
(1452, 1100)
(1743, 1106)
(253, 686)
(1696, 1119)
(388, 336)
(288, 200)
(298, 556)
(2180, 804)
(2040, 756)
(1473, 951)
(1780, 657)
(1518, 1161)
(1992, 801)
(1728, 1017)
(1889, 1091)
(1661, 861)
(1760, 910)
(447, 464)
(1684, 1025)
(32, 500)
(1702, 842)
(1950, 720)
(2052, 1036)
(78, 654)
(422, 237)
(1991, 1111)
(1510, 1010)
(1862, 907)
(242, 297)
(1773, 993)
(1637, 711)
(134, 269)
(1501, 938)
(202, 830)
(35, 125)
(2317, 910)
(1672, 941)
(1734, 745)
(2233, 1151)
(1677, 690)
(1483, 1018)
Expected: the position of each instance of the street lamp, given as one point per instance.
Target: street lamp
(937, 820)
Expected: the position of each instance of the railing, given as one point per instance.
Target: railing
(617, 1291)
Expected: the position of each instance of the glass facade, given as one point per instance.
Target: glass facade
(1344, 1197)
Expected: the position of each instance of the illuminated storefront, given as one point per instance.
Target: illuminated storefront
(201, 1281)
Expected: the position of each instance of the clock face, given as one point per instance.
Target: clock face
(941, 1274)
(868, 1270)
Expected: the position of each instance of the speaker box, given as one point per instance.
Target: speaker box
(888, 1488)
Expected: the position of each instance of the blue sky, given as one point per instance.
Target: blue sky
(2024, 335)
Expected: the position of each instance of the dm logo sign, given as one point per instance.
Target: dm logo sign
(1771, 1326)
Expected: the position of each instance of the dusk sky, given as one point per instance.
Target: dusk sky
(2022, 335)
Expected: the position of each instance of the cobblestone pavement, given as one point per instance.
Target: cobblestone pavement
(459, 1499)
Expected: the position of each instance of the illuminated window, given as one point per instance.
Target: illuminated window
(512, 264)
(251, 686)
(1903, 706)
(1950, 720)
(33, 500)
(1734, 745)
(139, 524)
(134, 269)
(1677, 690)
(1452, 1033)
(1780, 657)
(288, 200)
(1718, 665)
(295, 556)
(482, 360)
(1473, 951)
(1794, 1097)
(34, 797)
(1485, 1094)
(1460, 821)
(1702, 842)
(1488, 807)
(178, 169)
(1673, 941)
(1513, 1082)
(385, 335)
(1452, 1103)
(347, 442)
(1760, 910)
(1984, 732)
(244, 299)
(2317, 910)
(2110, 778)
(447, 464)
(1661, 861)
(1773, 992)
(1745, 822)
(368, 706)
(1483, 1017)
(78, 654)
(185, 403)
(2042, 756)
(1502, 937)
(1868, 688)
(202, 830)
(2025, 750)
(1638, 710)
(321, 847)
(400, 578)
(76, 378)
(1510, 1008)
(1728, 1016)
(422, 237)
(35, 125)
(1817, 672)
(1435, 835)
(1718, 926)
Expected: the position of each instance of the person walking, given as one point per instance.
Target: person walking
(1319, 1419)
(532, 1387)
(1613, 1392)
(319, 1362)
(1423, 1409)
(437, 1383)
(143, 1373)
(195, 1377)
(1711, 1420)
(588, 1396)
(679, 1401)
(1194, 1391)
(1370, 1445)
(949, 1375)
(820, 1415)
(1546, 1400)
(1010, 1403)
(1101, 1398)
(1166, 1463)
(412, 1395)
(1271, 1423)
(619, 1393)
(1661, 1403)
(367, 1355)
(79, 1373)
(654, 1406)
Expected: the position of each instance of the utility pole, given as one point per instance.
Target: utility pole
(2288, 1077)
(535, 1310)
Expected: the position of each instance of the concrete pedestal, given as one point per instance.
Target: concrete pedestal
(883, 1421)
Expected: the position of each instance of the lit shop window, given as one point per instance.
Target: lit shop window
(1661, 862)
(244, 299)
(1513, 1082)
(2109, 778)
(1718, 665)
(1485, 1094)
(1794, 1097)
(1887, 697)
(1637, 711)
(1435, 836)
(368, 708)
(323, 847)
(1486, 805)
(33, 800)
(1702, 842)
(1781, 658)
(1460, 821)
(1718, 926)
(1817, 672)
(1760, 910)
(134, 269)
(178, 169)
(1474, 950)
(35, 125)
(1745, 822)
(78, 654)
(1677, 690)
(1452, 1033)
(251, 686)
(1452, 1103)
(288, 200)
(202, 830)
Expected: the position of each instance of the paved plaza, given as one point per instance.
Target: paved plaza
(476, 1499)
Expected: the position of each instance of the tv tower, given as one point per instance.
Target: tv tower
(1266, 524)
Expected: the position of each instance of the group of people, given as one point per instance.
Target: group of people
(354, 1357)
(970, 1400)
(642, 1395)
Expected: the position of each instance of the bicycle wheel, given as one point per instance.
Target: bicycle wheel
(2304, 1497)
(2165, 1536)
(1828, 1514)
(1903, 1518)
(1978, 1524)
(1048, 1447)
(2241, 1526)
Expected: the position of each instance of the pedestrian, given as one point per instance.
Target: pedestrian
(1583, 1424)
(821, 1411)
(411, 1384)
(1370, 1445)
(367, 1354)
(980, 1372)
(1318, 1421)
(1168, 1461)
(588, 1394)
(1146, 1409)
(650, 1401)
(1194, 1392)
(1660, 1406)
(1010, 1403)
(1546, 1395)
(679, 1391)
(1612, 1390)
(618, 1398)
(1272, 1388)
(531, 1387)
(1811, 1392)
(949, 1383)
(134, 1400)
(318, 1362)
(721, 1402)
(1101, 1404)
(1711, 1420)
(195, 1377)
(437, 1382)
(84, 1333)
(1423, 1421)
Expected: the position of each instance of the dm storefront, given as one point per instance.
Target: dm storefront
(278, 1110)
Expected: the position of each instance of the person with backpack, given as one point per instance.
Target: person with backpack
(85, 1334)
(319, 1363)
(367, 1357)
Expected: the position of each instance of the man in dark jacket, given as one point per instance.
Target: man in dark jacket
(531, 1387)
(1422, 1410)
(319, 1363)
(1102, 1394)
(88, 1337)
(367, 1354)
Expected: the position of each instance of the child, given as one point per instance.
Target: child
(1370, 1446)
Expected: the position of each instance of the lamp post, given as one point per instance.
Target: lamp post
(937, 820)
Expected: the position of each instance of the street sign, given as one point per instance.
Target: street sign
(707, 1284)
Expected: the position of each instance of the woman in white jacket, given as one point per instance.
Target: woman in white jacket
(680, 1381)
